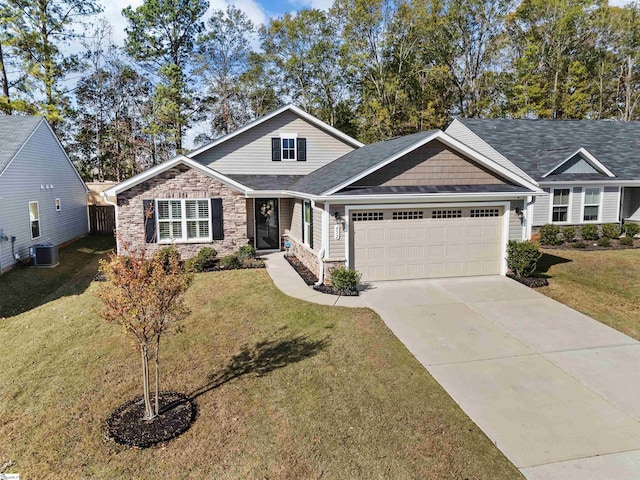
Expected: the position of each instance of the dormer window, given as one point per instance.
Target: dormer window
(289, 147)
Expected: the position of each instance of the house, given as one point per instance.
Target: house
(418, 206)
(42, 197)
(589, 170)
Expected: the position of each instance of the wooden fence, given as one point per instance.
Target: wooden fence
(102, 219)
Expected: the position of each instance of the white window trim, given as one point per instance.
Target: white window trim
(183, 220)
(551, 205)
(39, 223)
(289, 136)
(58, 204)
(306, 233)
(584, 204)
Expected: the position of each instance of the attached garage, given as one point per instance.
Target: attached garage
(411, 243)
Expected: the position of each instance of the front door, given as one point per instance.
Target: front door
(267, 224)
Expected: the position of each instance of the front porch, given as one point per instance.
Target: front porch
(630, 204)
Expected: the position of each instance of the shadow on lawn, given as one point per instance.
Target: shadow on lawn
(25, 288)
(547, 261)
(262, 358)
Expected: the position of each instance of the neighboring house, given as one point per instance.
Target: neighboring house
(419, 206)
(42, 197)
(589, 170)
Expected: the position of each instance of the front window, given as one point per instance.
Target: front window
(184, 220)
(560, 212)
(34, 218)
(591, 204)
(306, 228)
(288, 149)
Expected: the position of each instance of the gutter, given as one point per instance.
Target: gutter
(115, 209)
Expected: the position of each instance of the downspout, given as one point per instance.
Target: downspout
(322, 247)
(115, 209)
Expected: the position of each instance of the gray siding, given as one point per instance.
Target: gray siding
(576, 165)
(317, 227)
(515, 224)
(40, 162)
(461, 133)
(610, 204)
(250, 151)
(336, 247)
(541, 209)
(296, 221)
(576, 205)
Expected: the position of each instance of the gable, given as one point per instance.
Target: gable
(576, 164)
(431, 164)
(249, 152)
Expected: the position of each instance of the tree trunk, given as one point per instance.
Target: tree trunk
(157, 353)
(5, 83)
(148, 411)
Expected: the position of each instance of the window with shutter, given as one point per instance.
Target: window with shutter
(182, 220)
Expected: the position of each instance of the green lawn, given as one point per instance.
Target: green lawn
(601, 284)
(314, 392)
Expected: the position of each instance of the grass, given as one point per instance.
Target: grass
(285, 389)
(601, 284)
(22, 289)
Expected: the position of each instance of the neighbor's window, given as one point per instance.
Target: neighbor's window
(591, 204)
(58, 205)
(288, 149)
(306, 228)
(34, 218)
(560, 212)
(182, 220)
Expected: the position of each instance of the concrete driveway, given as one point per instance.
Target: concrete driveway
(558, 392)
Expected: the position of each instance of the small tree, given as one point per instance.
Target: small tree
(145, 296)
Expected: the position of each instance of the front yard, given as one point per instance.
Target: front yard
(602, 284)
(285, 389)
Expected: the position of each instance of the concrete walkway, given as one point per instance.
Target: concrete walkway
(558, 392)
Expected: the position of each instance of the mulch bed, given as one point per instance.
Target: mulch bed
(533, 282)
(310, 279)
(126, 426)
(590, 246)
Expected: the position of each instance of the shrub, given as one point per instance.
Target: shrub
(522, 257)
(604, 242)
(252, 263)
(230, 261)
(166, 255)
(631, 229)
(246, 252)
(589, 231)
(344, 279)
(610, 230)
(203, 260)
(549, 235)
(578, 245)
(569, 234)
(626, 241)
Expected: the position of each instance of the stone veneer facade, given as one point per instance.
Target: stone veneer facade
(310, 259)
(182, 182)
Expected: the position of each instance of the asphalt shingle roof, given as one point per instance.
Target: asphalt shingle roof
(14, 132)
(355, 162)
(438, 189)
(537, 146)
(266, 182)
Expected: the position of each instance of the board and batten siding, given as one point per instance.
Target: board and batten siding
(515, 224)
(41, 162)
(250, 151)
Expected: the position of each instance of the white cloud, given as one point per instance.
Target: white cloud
(317, 4)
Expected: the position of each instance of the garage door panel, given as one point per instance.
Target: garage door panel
(450, 243)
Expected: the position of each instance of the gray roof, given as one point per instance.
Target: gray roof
(438, 189)
(14, 132)
(353, 163)
(537, 146)
(266, 182)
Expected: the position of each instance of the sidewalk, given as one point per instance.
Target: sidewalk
(288, 280)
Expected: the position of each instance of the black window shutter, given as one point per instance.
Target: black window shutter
(216, 218)
(276, 149)
(149, 210)
(302, 149)
(311, 228)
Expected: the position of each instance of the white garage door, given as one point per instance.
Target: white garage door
(426, 243)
